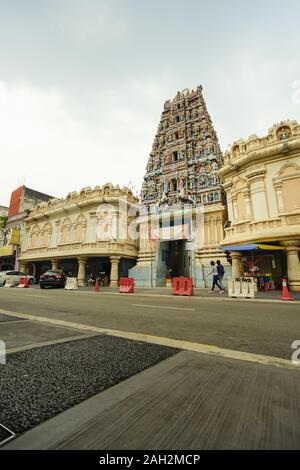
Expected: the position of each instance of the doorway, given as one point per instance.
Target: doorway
(177, 259)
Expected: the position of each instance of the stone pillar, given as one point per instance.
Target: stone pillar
(25, 241)
(54, 264)
(81, 271)
(23, 267)
(236, 264)
(280, 200)
(293, 264)
(91, 230)
(235, 211)
(247, 200)
(114, 273)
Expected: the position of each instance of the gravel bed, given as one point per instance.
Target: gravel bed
(37, 384)
(5, 318)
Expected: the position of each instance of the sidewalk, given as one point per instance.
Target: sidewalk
(189, 401)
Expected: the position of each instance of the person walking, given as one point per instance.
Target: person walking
(214, 274)
(221, 272)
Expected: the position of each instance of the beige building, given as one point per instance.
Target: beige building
(85, 233)
(261, 178)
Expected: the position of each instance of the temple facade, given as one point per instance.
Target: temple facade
(261, 177)
(182, 211)
(85, 233)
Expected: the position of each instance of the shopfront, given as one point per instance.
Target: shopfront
(266, 263)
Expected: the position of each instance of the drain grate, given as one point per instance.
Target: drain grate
(5, 434)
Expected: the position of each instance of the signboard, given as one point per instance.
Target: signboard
(14, 237)
(6, 250)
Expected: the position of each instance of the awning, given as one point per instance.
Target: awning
(253, 247)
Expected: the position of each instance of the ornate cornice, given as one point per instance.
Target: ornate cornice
(283, 138)
(108, 194)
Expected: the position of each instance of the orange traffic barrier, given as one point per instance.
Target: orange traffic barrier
(285, 291)
(23, 282)
(127, 285)
(97, 288)
(176, 286)
(183, 286)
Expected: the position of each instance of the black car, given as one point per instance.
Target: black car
(53, 278)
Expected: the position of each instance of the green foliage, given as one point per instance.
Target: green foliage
(3, 220)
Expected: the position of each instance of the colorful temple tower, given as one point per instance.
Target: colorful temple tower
(182, 208)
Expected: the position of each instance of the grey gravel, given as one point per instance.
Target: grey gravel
(37, 384)
(5, 318)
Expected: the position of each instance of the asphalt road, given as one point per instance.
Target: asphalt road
(262, 328)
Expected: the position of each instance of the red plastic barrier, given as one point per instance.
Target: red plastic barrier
(127, 285)
(183, 286)
(176, 286)
(23, 282)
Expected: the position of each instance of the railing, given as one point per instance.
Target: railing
(252, 227)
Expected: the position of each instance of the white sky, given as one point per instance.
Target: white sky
(82, 83)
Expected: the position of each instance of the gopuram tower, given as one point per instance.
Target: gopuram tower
(182, 208)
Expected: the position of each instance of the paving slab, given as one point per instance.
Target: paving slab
(24, 333)
(189, 401)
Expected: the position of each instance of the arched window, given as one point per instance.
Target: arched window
(287, 185)
(80, 228)
(66, 231)
(34, 237)
(46, 234)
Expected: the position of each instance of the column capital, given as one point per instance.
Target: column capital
(54, 263)
(235, 254)
(291, 245)
(82, 259)
(115, 259)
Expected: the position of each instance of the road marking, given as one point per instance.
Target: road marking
(169, 342)
(170, 308)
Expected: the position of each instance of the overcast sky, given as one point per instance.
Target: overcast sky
(83, 82)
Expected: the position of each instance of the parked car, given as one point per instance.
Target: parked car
(17, 276)
(53, 278)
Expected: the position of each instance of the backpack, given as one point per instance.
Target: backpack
(221, 270)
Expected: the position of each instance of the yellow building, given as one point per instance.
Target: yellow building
(261, 178)
(86, 233)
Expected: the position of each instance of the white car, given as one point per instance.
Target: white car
(16, 275)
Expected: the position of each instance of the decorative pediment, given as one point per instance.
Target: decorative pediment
(288, 169)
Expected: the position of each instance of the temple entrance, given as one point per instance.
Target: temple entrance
(173, 261)
(178, 262)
